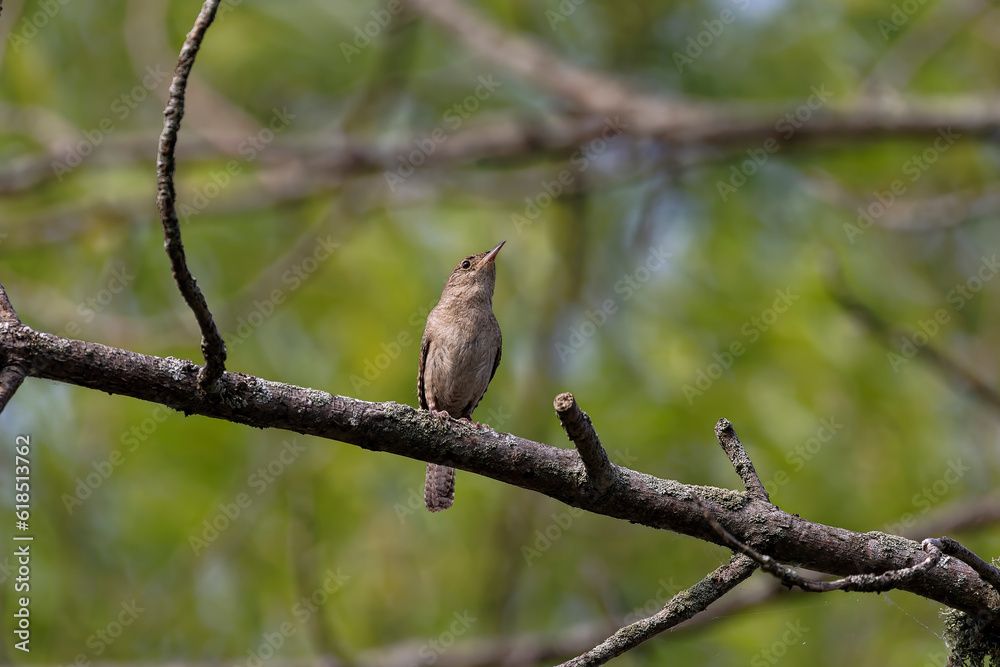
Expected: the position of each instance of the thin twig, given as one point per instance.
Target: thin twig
(741, 460)
(581, 431)
(7, 312)
(681, 607)
(11, 378)
(12, 374)
(987, 571)
(213, 348)
(861, 583)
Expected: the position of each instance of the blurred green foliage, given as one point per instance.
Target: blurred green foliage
(655, 375)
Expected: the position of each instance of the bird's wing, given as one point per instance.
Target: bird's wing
(496, 362)
(425, 345)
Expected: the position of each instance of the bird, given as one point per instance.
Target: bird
(459, 355)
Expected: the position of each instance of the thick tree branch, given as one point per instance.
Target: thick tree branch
(213, 348)
(864, 583)
(590, 91)
(952, 547)
(686, 121)
(681, 607)
(405, 431)
(741, 460)
(581, 431)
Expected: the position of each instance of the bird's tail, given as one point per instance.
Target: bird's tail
(439, 487)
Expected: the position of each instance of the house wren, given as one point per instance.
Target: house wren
(459, 354)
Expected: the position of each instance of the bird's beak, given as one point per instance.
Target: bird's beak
(490, 256)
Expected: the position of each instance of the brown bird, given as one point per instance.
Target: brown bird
(459, 355)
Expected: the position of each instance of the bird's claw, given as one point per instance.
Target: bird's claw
(480, 426)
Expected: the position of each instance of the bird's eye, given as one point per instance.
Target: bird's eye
(466, 264)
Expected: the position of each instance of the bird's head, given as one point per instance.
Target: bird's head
(474, 276)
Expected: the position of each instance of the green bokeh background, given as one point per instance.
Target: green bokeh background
(350, 324)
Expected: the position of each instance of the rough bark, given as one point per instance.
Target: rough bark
(558, 473)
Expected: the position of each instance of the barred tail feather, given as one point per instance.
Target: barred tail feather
(439, 487)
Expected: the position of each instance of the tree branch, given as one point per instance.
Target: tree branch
(7, 313)
(405, 431)
(681, 607)
(590, 91)
(741, 460)
(581, 431)
(213, 348)
(689, 121)
(863, 583)
(11, 375)
(952, 547)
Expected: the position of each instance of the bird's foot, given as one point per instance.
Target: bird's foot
(483, 426)
(440, 414)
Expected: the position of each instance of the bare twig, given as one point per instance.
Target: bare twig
(11, 378)
(12, 374)
(681, 607)
(862, 583)
(7, 312)
(581, 431)
(952, 547)
(213, 348)
(741, 460)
